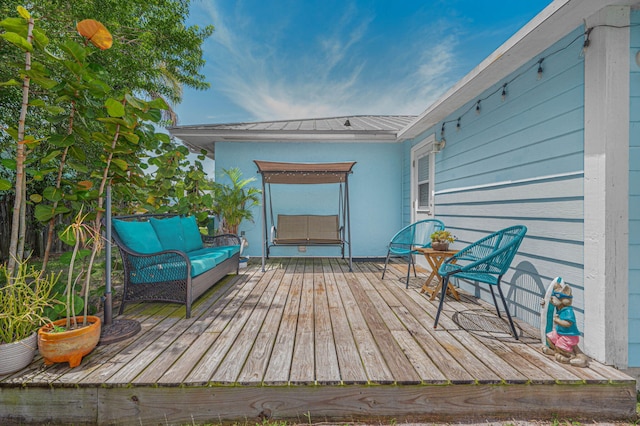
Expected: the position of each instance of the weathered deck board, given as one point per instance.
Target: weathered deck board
(351, 367)
(309, 337)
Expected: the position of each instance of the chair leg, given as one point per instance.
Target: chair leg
(385, 264)
(506, 309)
(409, 269)
(414, 267)
(495, 302)
(445, 284)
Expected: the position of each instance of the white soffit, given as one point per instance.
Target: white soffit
(554, 22)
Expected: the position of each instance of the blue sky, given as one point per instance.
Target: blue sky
(288, 59)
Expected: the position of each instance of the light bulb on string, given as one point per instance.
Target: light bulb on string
(540, 68)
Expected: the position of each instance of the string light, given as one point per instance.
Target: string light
(540, 68)
(586, 42)
(540, 71)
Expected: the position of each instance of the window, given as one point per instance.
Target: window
(422, 179)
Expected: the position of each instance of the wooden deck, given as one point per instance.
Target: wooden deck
(311, 342)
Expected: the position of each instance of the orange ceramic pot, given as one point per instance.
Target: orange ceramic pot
(68, 346)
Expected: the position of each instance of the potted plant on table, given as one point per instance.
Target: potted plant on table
(440, 240)
(24, 296)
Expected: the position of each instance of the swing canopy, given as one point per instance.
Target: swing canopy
(304, 173)
(308, 229)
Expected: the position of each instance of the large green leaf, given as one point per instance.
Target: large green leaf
(44, 212)
(15, 25)
(152, 115)
(9, 163)
(41, 40)
(134, 102)
(131, 137)
(122, 165)
(77, 51)
(114, 108)
(77, 152)
(17, 40)
(49, 157)
(62, 141)
(163, 137)
(52, 194)
(78, 166)
(158, 103)
(5, 185)
(11, 82)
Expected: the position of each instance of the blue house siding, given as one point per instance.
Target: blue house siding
(634, 196)
(520, 161)
(374, 187)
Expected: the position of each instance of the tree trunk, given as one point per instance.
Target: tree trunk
(18, 211)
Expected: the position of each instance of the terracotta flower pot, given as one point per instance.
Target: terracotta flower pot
(17, 355)
(71, 345)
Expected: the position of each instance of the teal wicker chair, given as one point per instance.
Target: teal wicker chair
(417, 234)
(485, 261)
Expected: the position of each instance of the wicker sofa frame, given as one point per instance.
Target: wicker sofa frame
(180, 287)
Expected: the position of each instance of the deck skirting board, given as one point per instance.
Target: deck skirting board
(183, 405)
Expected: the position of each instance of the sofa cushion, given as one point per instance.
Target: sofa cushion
(227, 250)
(138, 236)
(169, 232)
(191, 233)
(231, 250)
(204, 262)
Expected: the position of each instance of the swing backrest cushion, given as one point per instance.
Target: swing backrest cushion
(308, 229)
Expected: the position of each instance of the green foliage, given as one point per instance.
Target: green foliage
(84, 125)
(24, 296)
(443, 236)
(233, 202)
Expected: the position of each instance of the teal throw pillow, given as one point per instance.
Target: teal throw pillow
(192, 237)
(138, 236)
(169, 232)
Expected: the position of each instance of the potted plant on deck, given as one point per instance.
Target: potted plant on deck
(24, 296)
(71, 338)
(440, 240)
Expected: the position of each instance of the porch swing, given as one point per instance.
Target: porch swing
(305, 229)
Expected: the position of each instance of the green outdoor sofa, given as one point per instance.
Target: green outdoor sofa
(167, 259)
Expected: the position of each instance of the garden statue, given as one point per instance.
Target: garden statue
(558, 326)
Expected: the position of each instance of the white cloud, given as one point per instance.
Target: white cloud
(335, 76)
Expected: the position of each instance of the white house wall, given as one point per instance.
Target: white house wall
(520, 161)
(634, 194)
(374, 189)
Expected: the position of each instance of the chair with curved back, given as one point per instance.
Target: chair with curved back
(404, 242)
(485, 261)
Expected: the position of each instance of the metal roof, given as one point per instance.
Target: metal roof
(365, 128)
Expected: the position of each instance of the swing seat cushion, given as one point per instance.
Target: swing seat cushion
(308, 229)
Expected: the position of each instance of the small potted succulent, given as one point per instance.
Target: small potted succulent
(24, 296)
(440, 240)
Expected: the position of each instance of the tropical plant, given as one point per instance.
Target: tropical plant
(233, 202)
(443, 237)
(24, 296)
(53, 157)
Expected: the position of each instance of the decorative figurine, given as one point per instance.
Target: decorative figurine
(558, 326)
